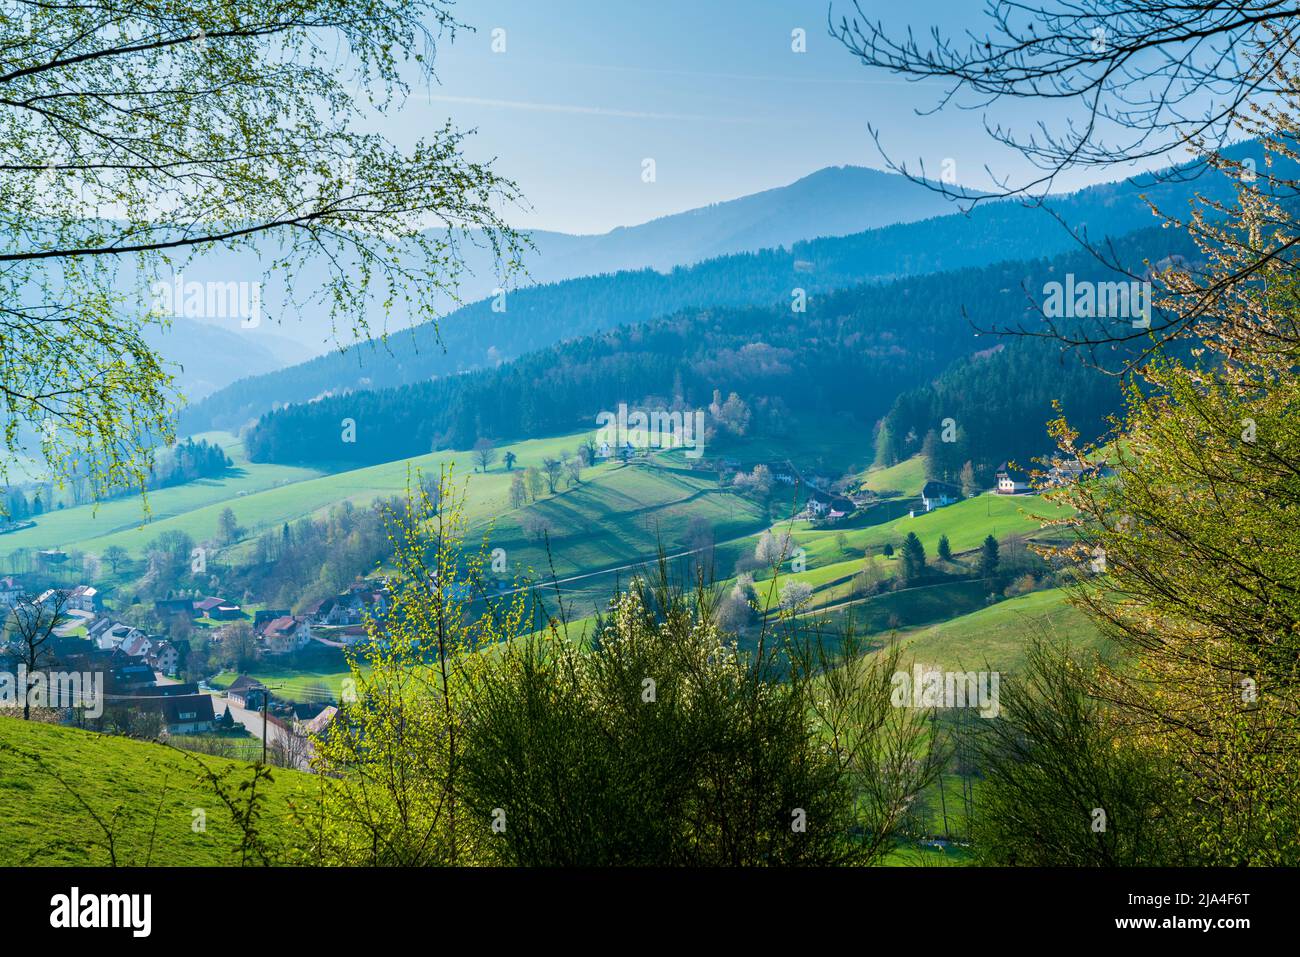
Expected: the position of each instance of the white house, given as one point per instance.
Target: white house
(85, 598)
(938, 494)
(1008, 484)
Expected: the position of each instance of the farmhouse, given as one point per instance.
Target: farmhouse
(286, 634)
(1010, 482)
(938, 494)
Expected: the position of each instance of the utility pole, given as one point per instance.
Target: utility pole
(266, 701)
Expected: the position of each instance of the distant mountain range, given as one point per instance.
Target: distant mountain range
(831, 202)
(477, 336)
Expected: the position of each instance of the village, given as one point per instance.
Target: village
(148, 690)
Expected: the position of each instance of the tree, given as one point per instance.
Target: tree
(510, 458)
(238, 646)
(721, 752)
(485, 453)
(888, 550)
(32, 623)
(518, 493)
(913, 560)
(228, 528)
(552, 467)
(945, 549)
(534, 479)
(116, 556)
(393, 765)
(280, 170)
(969, 484)
(989, 558)
(794, 595)
(534, 526)
(772, 549)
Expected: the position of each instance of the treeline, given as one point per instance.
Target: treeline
(184, 462)
(848, 356)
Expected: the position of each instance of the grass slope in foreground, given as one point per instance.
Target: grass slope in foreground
(42, 823)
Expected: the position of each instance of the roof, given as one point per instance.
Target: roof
(207, 604)
(318, 724)
(172, 707)
(280, 625)
(136, 647)
(244, 683)
(934, 488)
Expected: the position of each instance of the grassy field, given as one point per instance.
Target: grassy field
(996, 638)
(905, 478)
(262, 497)
(138, 786)
(124, 521)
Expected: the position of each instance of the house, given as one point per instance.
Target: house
(938, 494)
(108, 634)
(10, 592)
(319, 726)
(137, 646)
(286, 634)
(85, 598)
(1009, 482)
(350, 635)
(205, 606)
(247, 692)
(834, 515)
(165, 657)
(342, 614)
(182, 713)
(1070, 473)
(818, 507)
(128, 675)
(226, 612)
(318, 611)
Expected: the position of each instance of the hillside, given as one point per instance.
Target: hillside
(149, 792)
(847, 358)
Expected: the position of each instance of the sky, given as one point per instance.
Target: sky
(711, 90)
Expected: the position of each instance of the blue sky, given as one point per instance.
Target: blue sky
(710, 89)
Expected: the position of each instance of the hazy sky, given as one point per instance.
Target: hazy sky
(709, 89)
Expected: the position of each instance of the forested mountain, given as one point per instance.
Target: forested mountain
(478, 337)
(999, 402)
(850, 356)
